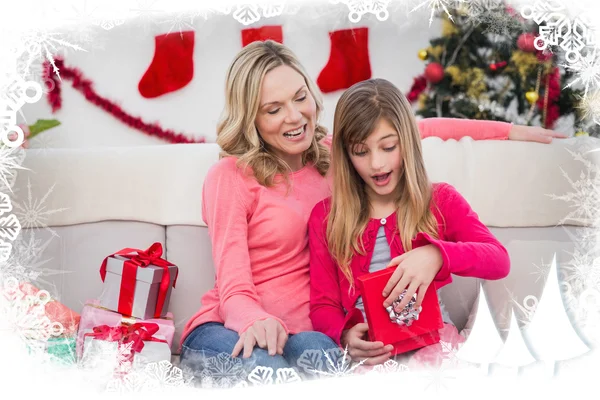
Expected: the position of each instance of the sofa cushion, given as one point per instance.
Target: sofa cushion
(507, 183)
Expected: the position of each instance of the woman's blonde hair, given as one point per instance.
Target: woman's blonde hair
(236, 132)
(357, 114)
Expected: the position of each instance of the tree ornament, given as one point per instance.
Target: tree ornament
(495, 67)
(532, 96)
(423, 54)
(434, 72)
(525, 42)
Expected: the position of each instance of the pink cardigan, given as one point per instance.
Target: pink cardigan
(260, 240)
(468, 249)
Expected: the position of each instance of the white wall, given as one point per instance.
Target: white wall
(117, 59)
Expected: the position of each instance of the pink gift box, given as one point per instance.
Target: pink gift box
(94, 315)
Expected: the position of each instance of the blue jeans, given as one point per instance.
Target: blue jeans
(206, 353)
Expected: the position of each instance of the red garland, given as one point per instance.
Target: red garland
(419, 85)
(84, 86)
(553, 111)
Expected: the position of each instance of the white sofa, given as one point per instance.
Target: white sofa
(134, 196)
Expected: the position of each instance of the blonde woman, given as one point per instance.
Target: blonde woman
(256, 203)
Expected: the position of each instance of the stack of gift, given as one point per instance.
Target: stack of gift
(130, 322)
(406, 329)
(63, 322)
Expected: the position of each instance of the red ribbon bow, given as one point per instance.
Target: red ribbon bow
(140, 258)
(136, 333)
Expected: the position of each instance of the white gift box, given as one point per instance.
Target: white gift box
(103, 354)
(147, 286)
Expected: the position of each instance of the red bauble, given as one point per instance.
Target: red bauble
(525, 42)
(497, 66)
(434, 72)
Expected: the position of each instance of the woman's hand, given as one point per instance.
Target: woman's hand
(267, 334)
(360, 349)
(533, 134)
(416, 270)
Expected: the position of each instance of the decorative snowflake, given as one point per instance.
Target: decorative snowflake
(221, 371)
(526, 308)
(9, 229)
(477, 11)
(10, 162)
(26, 315)
(540, 271)
(438, 6)
(33, 213)
(580, 283)
(501, 23)
(45, 44)
(358, 8)
(585, 197)
(181, 22)
(159, 376)
(144, 11)
(111, 361)
(587, 69)
(24, 262)
(437, 378)
(390, 366)
(449, 354)
(590, 106)
(556, 28)
(13, 96)
(583, 269)
(338, 364)
(247, 14)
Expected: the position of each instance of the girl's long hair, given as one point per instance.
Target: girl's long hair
(357, 114)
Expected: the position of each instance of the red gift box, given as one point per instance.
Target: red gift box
(420, 333)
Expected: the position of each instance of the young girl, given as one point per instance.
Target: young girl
(384, 211)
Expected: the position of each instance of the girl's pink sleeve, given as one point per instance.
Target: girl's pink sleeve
(456, 128)
(469, 248)
(326, 310)
(225, 210)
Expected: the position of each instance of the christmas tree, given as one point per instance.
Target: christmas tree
(486, 66)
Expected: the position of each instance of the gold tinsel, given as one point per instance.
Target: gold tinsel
(458, 76)
(526, 64)
(476, 83)
(471, 79)
(421, 100)
(435, 51)
(448, 28)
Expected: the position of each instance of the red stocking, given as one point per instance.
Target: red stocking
(272, 32)
(172, 66)
(348, 61)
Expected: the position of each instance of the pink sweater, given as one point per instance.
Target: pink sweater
(260, 239)
(467, 246)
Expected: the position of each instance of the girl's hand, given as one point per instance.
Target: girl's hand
(416, 269)
(267, 334)
(360, 349)
(533, 134)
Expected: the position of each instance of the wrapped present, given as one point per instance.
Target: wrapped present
(94, 315)
(54, 310)
(124, 346)
(405, 329)
(62, 349)
(138, 283)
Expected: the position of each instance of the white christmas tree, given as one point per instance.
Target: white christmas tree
(484, 342)
(550, 335)
(514, 353)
